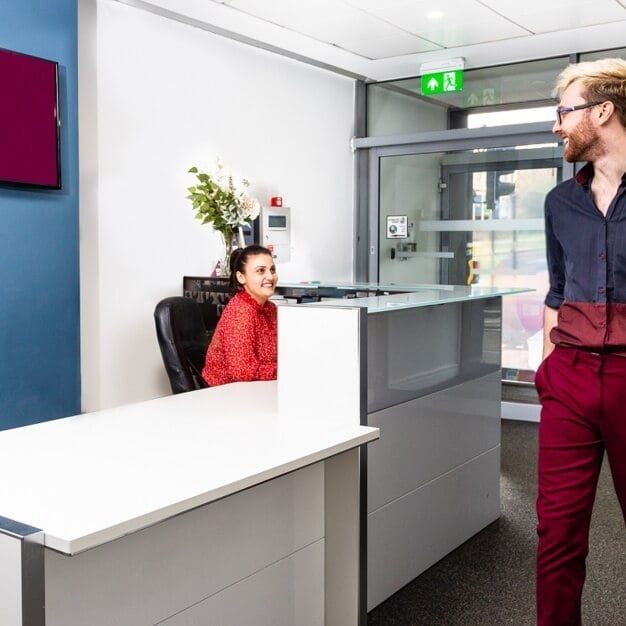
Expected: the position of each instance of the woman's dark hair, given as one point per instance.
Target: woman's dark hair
(238, 260)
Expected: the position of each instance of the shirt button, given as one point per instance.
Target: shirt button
(602, 256)
(602, 290)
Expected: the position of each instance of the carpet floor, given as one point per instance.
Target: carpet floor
(490, 579)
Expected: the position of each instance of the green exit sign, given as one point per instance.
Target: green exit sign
(442, 82)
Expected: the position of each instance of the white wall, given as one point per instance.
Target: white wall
(167, 96)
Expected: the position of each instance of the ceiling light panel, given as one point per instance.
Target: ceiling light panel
(540, 16)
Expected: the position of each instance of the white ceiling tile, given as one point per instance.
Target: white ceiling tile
(352, 23)
(372, 5)
(359, 27)
(398, 44)
(345, 26)
(459, 24)
(295, 14)
(540, 16)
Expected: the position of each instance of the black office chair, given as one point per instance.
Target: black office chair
(183, 340)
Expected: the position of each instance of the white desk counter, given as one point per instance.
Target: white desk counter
(424, 363)
(92, 481)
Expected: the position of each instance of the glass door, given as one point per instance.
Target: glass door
(473, 216)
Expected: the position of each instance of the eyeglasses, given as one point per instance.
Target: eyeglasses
(561, 110)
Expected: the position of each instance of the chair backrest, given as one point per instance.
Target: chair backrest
(183, 340)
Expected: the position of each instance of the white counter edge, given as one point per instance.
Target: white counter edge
(80, 544)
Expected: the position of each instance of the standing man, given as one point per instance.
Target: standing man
(582, 379)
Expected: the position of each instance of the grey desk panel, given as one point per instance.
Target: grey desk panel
(409, 535)
(415, 352)
(429, 436)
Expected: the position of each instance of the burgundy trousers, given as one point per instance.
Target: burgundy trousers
(583, 398)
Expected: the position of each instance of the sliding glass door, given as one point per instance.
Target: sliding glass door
(470, 216)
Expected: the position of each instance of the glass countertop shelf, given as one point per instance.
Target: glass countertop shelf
(403, 296)
(376, 287)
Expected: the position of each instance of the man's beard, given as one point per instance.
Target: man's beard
(583, 143)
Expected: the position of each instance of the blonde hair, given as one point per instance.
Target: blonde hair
(601, 80)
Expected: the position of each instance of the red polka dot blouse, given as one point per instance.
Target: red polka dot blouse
(243, 346)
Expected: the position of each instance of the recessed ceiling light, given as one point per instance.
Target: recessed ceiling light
(434, 15)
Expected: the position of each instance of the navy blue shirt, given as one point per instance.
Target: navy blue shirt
(586, 253)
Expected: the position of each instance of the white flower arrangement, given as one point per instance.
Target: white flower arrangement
(218, 201)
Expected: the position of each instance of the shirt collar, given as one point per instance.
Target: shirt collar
(585, 176)
(246, 297)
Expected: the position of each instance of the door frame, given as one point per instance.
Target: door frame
(366, 251)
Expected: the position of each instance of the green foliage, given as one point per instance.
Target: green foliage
(216, 201)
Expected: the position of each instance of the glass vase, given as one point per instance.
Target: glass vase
(229, 242)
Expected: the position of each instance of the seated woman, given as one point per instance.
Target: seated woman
(243, 346)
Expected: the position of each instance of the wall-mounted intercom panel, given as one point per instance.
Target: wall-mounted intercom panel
(275, 231)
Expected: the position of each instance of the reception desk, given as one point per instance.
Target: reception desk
(425, 362)
(211, 507)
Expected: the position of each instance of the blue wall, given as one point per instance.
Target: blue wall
(39, 262)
